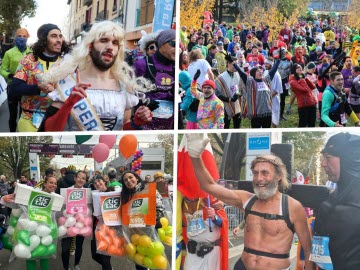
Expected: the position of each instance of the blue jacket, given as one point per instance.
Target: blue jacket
(185, 80)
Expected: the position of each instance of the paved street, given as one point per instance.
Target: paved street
(4, 117)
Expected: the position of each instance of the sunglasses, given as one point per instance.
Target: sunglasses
(152, 47)
(172, 43)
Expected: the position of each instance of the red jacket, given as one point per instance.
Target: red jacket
(303, 91)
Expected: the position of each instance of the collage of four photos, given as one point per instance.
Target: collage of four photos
(185, 135)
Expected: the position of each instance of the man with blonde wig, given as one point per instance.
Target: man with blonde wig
(95, 88)
(271, 217)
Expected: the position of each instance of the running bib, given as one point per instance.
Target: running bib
(320, 253)
(261, 86)
(343, 118)
(165, 110)
(195, 223)
(37, 119)
(286, 37)
(234, 89)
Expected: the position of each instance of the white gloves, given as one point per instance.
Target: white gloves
(196, 144)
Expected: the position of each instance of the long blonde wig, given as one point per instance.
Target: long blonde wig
(79, 58)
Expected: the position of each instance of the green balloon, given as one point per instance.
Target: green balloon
(157, 248)
(13, 221)
(148, 262)
(161, 233)
(51, 249)
(82, 138)
(6, 242)
(142, 250)
(168, 230)
(39, 251)
(23, 237)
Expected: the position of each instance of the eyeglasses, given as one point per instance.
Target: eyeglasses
(152, 47)
(172, 43)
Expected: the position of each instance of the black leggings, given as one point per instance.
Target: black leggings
(307, 116)
(261, 122)
(103, 260)
(283, 96)
(65, 252)
(239, 265)
(236, 120)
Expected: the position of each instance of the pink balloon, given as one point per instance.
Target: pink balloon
(80, 217)
(88, 221)
(109, 140)
(72, 231)
(61, 220)
(100, 152)
(86, 231)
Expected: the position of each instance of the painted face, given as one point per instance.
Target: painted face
(100, 185)
(80, 180)
(104, 52)
(54, 42)
(265, 180)
(50, 185)
(331, 166)
(130, 180)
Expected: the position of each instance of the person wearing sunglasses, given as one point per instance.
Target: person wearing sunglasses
(147, 43)
(159, 68)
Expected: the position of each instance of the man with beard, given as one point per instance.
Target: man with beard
(160, 70)
(210, 114)
(25, 84)
(102, 98)
(271, 217)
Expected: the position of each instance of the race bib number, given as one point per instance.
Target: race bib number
(286, 37)
(165, 110)
(261, 86)
(343, 118)
(195, 227)
(320, 253)
(234, 89)
(37, 119)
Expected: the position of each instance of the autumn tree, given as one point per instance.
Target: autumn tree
(191, 12)
(12, 12)
(353, 14)
(14, 155)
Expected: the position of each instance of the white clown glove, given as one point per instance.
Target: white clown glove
(196, 144)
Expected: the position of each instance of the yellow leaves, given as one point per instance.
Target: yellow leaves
(353, 14)
(192, 11)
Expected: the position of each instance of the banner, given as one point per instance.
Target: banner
(163, 14)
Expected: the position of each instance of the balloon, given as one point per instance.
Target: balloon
(167, 240)
(156, 248)
(112, 233)
(50, 250)
(43, 230)
(46, 240)
(100, 152)
(139, 259)
(80, 217)
(107, 239)
(23, 223)
(86, 231)
(159, 261)
(161, 233)
(135, 239)
(22, 251)
(23, 237)
(127, 145)
(109, 140)
(164, 222)
(34, 241)
(32, 226)
(62, 231)
(142, 250)
(54, 230)
(116, 251)
(10, 230)
(145, 241)
(6, 243)
(61, 220)
(130, 250)
(88, 221)
(39, 251)
(82, 138)
(13, 221)
(168, 230)
(117, 242)
(148, 262)
(71, 221)
(72, 231)
(79, 225)
(102, 246)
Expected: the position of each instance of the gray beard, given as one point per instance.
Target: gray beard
(269, 192)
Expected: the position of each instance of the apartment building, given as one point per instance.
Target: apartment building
(133, 16)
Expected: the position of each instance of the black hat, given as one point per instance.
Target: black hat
(45, 29)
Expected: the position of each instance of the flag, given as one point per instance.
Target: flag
(299, 178)
(187, 182)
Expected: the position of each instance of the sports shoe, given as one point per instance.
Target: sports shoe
(283, 118)
(77, 267)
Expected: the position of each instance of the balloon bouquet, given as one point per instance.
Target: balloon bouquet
(136, 162)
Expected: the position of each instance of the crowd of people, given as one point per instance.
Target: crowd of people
(92, 85)
(128, 183)
(254, 77)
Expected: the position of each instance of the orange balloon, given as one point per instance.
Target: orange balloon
(128, 145)
(121, 251)
(112, 233)
(123, 240)
(112, 250)
(104, 228)
(117, 241)
(99, 235)
(108, 240)
(102, 246)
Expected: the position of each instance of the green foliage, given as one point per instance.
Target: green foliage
(14, 155)
(166, 141)
(13, 11)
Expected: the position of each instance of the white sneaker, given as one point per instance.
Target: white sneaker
(77, 267)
